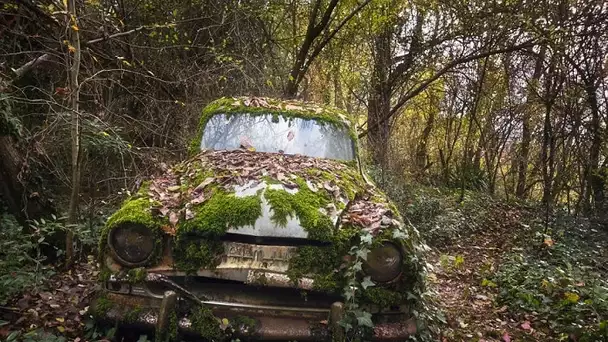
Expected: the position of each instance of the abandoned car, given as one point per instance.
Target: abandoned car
(269, 230)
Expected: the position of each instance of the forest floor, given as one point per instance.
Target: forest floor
(460, 268)
(514, 279)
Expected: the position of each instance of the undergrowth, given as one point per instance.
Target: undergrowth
(560, 279)
(552, 274)
(21, 259)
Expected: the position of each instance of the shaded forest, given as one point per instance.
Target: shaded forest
(485, 121)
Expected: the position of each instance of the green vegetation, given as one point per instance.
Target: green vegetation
(102, 305)
(485, 121)
(529, 280)
(19, 270)
(304, 205)
(191, 255)
(221, 212)
(137, 275)
(206, 324)
(561, 282)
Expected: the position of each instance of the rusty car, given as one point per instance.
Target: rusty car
(269, 230)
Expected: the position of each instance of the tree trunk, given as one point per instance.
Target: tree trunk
(526, 136)
(75, 127)
(467, 150)
(595, 179)
(421, 148)
(379, 104)
(11, 190)
(546, 157)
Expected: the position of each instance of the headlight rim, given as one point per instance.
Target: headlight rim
(401, 255)
(121, 260)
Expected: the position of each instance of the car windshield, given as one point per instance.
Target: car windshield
(275, 133)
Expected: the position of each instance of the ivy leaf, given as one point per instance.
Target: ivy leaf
(399, 234)
(347, 326)
(364, 319)
(362, 253)
(357, 266)
(367, 282)
(348, 295)
(366, 239)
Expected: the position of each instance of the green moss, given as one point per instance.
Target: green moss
(173, 327)
(137, 275)
(285, 109)
(382, 297)
(206, 324)
(132, 315)
(321, 263)
(304, 205)
(212, 219)
(102, 306)
(191, 254)
(221, 212)
(104, 273)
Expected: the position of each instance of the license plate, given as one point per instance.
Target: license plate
(243, 255)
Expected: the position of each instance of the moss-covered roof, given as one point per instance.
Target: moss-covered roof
(265, 105)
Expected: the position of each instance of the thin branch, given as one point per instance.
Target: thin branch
(425, 84)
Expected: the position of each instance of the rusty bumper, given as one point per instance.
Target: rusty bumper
(174, 314)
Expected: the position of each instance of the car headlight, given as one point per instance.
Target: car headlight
(132, 244)
(383, 263)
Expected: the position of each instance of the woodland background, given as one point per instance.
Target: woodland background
(485, 120)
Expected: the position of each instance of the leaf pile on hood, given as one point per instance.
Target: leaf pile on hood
(194, 181)
(369, 215)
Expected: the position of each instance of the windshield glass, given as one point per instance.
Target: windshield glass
(275, 133)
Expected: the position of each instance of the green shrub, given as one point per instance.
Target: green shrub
(21, 260)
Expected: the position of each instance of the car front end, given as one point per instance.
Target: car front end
(252, 243)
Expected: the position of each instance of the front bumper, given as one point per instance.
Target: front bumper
(173, 314)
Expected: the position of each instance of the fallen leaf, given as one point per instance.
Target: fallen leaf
(506, 337)
(169, 230)
(290, 135)
(526, 325)
(173, 218)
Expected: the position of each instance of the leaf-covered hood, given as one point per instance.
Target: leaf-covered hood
(264, 194)
(274, 195)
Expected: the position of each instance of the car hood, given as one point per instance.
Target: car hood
(290, 196)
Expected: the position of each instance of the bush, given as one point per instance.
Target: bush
(438, 213)
(21, 259)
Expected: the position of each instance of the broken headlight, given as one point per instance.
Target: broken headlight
(383, 263)
(132, 244)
